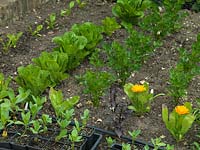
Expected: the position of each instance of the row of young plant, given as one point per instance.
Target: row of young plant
(72, 47)
(123, 59)
(11, 39)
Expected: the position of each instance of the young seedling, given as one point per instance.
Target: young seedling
(74, 137)
(84, 118)
(25, 121)
(45, 120)
(37, 127)
(12, 41)
(63, 123)
(134, 134)
(20, 98)
(67, 11)
(5, 117)
(80, 3)
(126, 146)
(37, 30)
(51, 22)
(110, 141)
(157, 143)
(36, 106)
(4, 86)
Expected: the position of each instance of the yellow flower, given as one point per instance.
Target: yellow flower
(137, 88)
(4, 134)
(181, 110)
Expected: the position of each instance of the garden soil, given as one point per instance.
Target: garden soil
(112, 114)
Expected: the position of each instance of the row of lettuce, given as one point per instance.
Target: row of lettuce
(145, 34)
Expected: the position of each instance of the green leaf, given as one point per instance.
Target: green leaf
(34, 78)
(54, 62)
(90, 31)
(187, 123)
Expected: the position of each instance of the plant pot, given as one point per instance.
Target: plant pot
(138, 144)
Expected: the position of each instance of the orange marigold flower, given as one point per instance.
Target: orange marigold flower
(137, 88)
(181, 110)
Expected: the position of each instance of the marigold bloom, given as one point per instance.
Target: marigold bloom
(181, 110)
(137, 88)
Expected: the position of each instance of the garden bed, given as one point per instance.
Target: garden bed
(113, 113)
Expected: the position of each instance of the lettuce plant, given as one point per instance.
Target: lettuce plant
(55, 63)
(34, 78)
(91, 32)
(130, 10)
(74, 46)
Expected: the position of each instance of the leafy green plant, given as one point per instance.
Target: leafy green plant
(161, 21)
(5, 116)
(4, 86)
(130, 10)
(73, 45)
(36, 31)
(59, 104)
(54, 62)
(122, 67)
(95, 84)
(110, 141)
(179, 121)
(51, 21)
(110, 25)
(33, 78)
(186, 68)
(140, 46)
(11, 42)
(140, 97)
(91, 32)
